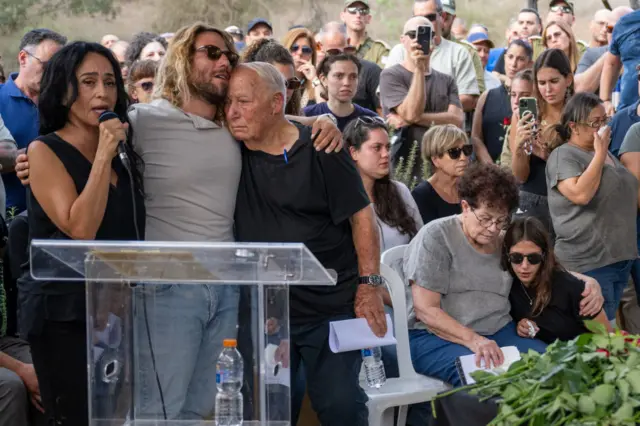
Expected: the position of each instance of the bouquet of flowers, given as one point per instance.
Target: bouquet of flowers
(591, 380)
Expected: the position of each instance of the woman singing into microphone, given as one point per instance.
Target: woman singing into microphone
(78, 190)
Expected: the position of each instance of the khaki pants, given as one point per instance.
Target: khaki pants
(629, 310)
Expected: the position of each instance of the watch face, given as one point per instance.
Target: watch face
(375, 280)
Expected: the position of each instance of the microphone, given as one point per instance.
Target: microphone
(122, 152)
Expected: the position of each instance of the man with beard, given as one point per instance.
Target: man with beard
(191, 175)
(291, 193)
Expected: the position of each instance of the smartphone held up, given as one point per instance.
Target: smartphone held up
(423, 37)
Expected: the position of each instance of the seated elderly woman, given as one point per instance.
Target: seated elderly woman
(459, 294)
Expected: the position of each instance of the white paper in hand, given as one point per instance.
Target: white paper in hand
(467, 364)
(355, 334)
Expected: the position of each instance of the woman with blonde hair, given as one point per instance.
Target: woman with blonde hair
(302, 45)
(447, 150)
(559, 35)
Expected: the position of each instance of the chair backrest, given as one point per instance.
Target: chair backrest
(397, 287)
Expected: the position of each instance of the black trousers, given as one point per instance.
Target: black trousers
(59, 356)
(332, 379)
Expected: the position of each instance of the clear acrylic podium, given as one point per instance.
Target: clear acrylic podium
(156, 316)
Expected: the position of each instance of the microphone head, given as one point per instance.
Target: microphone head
(107, 115)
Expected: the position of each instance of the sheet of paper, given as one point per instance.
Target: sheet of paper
(355, 334)
(467, 363)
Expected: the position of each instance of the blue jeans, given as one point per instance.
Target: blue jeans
(635, 275)
(613, 279)
(188, 323)
(435, 357)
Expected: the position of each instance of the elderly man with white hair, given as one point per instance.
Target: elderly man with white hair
(290, 192)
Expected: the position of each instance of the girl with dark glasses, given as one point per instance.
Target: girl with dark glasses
(545, 297)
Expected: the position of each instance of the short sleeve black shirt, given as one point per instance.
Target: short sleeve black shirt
(309, 198)
(560, 319)
(431, 205)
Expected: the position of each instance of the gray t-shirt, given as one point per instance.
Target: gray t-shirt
(604, 231)
(474, 288)
(590, 57)
(191, 173)
(440, 90)
(391, 237)
(631, 141)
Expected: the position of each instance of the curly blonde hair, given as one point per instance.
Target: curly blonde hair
(172, 80)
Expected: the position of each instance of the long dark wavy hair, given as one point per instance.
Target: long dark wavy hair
(59, 90)
(531, 229)
(272, 52)
(388, 203)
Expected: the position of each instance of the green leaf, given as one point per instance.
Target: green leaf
(586, 405)
(610, 376)
(584, 339)
(595, 327)
(624, 388)
(601, 342)
(604, 395)
(588, 357)
(625, 412)
(634, 380)
(571, 402)
(511, 392)
(617, 343)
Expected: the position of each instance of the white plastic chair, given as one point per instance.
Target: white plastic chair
(410, 387)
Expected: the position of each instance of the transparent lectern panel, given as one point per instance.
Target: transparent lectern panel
(170, 262)
(157, 317)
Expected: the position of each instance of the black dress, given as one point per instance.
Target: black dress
(53, 312)
(431, 205)
(560, 319)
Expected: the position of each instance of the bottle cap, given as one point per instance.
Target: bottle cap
(229, 343)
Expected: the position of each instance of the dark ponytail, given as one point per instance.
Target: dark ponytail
(577, 110)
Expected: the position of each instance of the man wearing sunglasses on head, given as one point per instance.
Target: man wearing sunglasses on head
(339, 74)
(335, 41)
(356, 16)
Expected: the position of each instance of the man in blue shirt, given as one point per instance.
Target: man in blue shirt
(624, 50)
(19, 100)
(339, 74)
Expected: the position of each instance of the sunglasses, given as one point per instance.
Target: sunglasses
(147, 86)
(454, 153)
(430, 16)
(368, 121)
(362, 11)
(306, 50)
(533, 258)
(214, 53)
(349, 50)
(293, 83)
(563, 9)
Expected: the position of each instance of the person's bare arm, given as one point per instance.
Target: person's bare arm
(468, 102)
(369, 300)
(8, 155)
(329, 137)
(581, 189)
(426, 304)
(610, 73)
(631, 160)
(413, 104)
(589, 80)
(477, 136)
(592, 299)
(453, 115)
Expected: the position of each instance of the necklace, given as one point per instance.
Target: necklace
(526, 294)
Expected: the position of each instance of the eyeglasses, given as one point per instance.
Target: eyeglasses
(369, 120)
(362, 11)
(214, 53)
(43, 63)
(147, 86)
(596, 124)
(293, 83)
(454, 153)
(349, 50)
(430, 16)
(533, 258)
(306, 50)
(563, 9)
(501, 223)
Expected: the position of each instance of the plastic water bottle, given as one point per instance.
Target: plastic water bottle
(229, 376)
(373, 367)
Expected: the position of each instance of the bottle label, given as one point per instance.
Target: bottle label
(221, 375)
(367, 352)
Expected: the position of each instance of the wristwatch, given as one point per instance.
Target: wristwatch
(331, 117)
(372, 280)
(316, 82)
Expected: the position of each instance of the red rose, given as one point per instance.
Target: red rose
(638, 343)
(624, 333)
(629, 339)
(506, 121)
(604, 351)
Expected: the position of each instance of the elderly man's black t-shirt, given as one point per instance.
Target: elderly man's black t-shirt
(308, 199)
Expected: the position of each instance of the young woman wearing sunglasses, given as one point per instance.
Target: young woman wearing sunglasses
(447, 150)
(302, 45)
(140, 81)
(545, 298)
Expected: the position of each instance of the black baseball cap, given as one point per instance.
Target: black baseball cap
(258, 21)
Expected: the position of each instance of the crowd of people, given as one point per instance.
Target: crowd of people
(518, 225)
